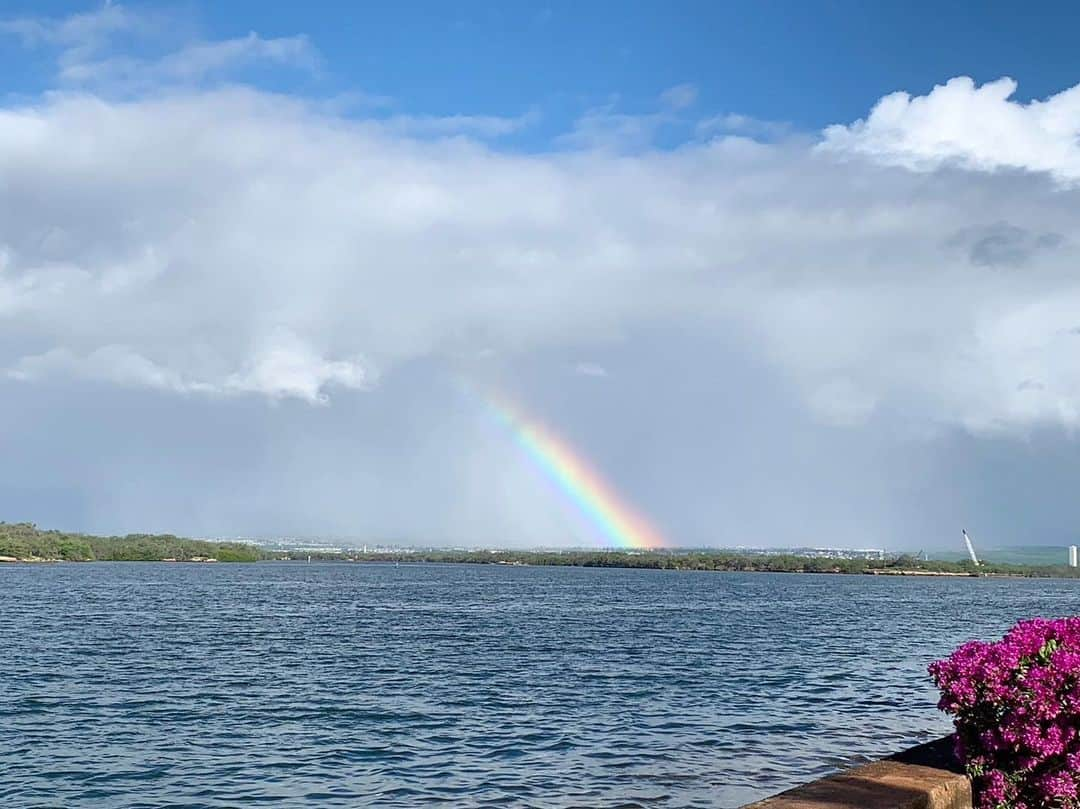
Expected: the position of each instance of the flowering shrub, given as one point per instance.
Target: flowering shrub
(1016, 704)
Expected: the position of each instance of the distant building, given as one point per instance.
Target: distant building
(1072, 556)
(817, 553)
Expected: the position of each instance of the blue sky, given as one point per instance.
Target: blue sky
(784, 273)
(805, 63)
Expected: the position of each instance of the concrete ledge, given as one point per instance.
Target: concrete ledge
(925, 777)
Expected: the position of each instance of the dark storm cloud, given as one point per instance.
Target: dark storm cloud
(1003, 244)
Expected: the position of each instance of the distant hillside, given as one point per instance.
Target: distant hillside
(27, 541)
(1014, 555)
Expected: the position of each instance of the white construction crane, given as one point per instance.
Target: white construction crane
(970, 548)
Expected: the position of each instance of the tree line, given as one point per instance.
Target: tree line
(719, 560)
(27, 541)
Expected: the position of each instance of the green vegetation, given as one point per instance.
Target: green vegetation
(705, 560)
(26, 541)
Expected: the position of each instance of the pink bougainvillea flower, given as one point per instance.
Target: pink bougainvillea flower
(1016, 708)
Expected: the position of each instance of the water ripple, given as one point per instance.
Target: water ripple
(362, 685)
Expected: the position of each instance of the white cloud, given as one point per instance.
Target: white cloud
(284, 369)
(90, 50)
(195, 230)
(112, 363)
(235, 242)
(605, 128)
(590, 369)
(78, 34)
(680, 96)
(481, 126)
(975, 127)
(731, 122)
(193, 63)
(608, 127)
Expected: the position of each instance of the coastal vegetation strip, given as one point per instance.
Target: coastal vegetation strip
(24, 542)
(718, 560)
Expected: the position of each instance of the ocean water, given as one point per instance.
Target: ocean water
(284, 684)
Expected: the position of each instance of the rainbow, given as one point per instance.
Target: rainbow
(620, 524)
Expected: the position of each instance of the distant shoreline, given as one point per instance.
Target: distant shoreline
(7, 560)
(24, 543)
(710, 560)
(344, 559)
(38, 560)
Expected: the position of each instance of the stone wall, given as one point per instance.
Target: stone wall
(925, 777)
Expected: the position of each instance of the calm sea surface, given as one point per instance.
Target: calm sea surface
(369, 685)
